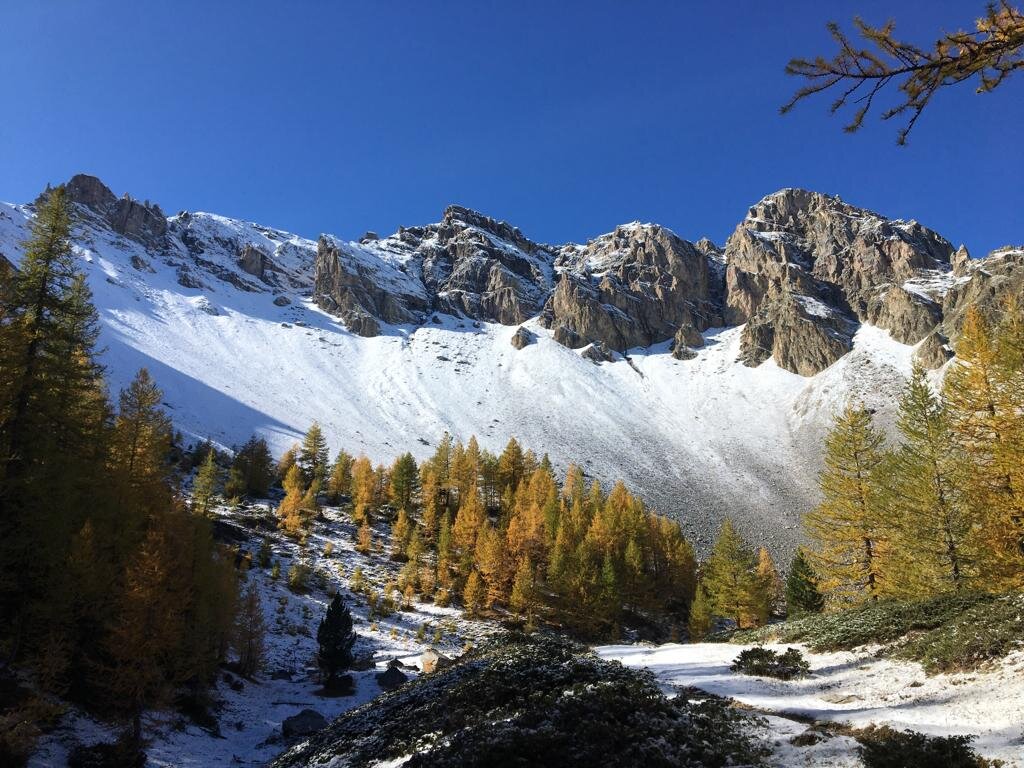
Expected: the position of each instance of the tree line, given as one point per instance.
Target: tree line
(501, 533)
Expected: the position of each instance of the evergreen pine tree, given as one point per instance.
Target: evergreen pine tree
(404, 481)
(802, 594)
(931, 524)
(313, 456)
(335, 637)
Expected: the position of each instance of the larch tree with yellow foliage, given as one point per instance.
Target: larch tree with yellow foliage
(847, 530)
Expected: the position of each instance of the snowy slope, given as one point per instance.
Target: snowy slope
(855, 688)
(698, 439)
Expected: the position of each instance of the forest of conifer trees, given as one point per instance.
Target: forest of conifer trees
(941, 507)
(500, 533)
(112, 590)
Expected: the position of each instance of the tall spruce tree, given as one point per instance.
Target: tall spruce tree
(335, 637)
(313, 456)
(802, 593)
(848, 529)
(53, 414)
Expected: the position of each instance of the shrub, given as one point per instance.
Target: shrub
(764, 662)
(298, 576)
(884, 747)
(536, 701)
(944, 632)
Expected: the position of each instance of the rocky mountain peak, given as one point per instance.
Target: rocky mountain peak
(142, 222)
(805, 269)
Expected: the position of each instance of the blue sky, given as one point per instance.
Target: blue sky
(562, 118)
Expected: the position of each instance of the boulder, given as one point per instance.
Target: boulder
(934, 351)
(282, 301)
(598, 353)
(522, 338)
(392, 677)
(305, 723)
(432, 660)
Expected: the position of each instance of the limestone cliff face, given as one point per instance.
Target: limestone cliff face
(801, 272)
(805, 269)
(143, 222)
(467, 264)
(634, 287)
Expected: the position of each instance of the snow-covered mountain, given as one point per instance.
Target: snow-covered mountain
(703, 376)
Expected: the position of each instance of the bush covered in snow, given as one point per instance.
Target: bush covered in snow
(944, 633)
(533, 701)
(886, 747)
(764, 662)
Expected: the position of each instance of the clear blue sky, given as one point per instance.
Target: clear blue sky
(562, 118)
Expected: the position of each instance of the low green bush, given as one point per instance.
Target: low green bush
(944, 633)
(885, 747)
(764, 662)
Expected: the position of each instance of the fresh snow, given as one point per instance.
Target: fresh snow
(698, 439)
(854, 688)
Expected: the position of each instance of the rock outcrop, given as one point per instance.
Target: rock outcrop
(801, 259)
(633, 287)
(143, 222)
(987, 285)
(522, 338)
(468, 265)
(801, 272)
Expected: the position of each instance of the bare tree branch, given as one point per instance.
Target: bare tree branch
(991, 53)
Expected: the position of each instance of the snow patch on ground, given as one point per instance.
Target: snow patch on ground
(853, 688)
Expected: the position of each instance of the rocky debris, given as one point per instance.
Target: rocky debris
(684, 342)
(187, 280)
(522, 338)
(432, 660)
(392, 677)
(252, 260)
(631, 288)
(144, 222)
(597, 353)
(305, 723)
(282, 301)
(140, 264)
(934, 351)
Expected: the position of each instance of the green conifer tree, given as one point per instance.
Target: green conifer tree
(802, 593)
